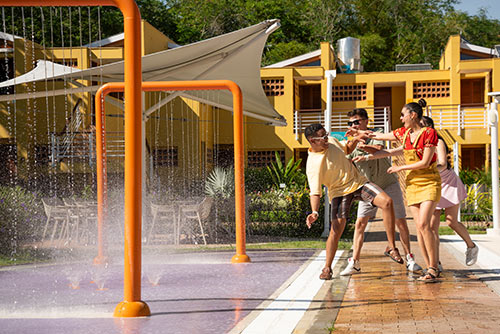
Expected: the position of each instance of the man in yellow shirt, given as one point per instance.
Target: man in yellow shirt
(327, 165)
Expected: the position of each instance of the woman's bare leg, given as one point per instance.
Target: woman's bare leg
(422, 214)
(452, 221)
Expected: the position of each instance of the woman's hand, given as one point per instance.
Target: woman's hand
(362, 134)
(394, 169)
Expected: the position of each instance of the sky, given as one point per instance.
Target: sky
(472, 7)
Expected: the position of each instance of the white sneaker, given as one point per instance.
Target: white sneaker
(411, 265)
(471, 255)
(352, 268)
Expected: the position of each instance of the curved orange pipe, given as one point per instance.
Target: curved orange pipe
(132, 306)
(150, 86)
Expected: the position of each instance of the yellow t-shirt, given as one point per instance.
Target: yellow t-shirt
(332, 169)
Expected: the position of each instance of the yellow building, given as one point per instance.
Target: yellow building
(456, 95)
(184, 139)
(45, 130)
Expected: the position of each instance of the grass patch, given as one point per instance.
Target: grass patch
(25, 256)
(314, 244)
(294, 244)
(446, 230)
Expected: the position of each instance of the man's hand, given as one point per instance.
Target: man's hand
(359, 158)
(311, 219)
(362, 146)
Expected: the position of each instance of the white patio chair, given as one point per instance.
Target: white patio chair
(56, 211)
(163, 212)
(87, 212)
(199, 212)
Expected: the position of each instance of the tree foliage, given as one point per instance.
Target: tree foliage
(391, 31)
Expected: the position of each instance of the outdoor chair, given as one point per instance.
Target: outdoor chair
(56, 211)
(163, 212)
(198, 212)
(87, 212)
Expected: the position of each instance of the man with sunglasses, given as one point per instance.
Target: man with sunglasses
(328, 165)
(376, 172)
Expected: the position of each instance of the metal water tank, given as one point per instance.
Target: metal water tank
(348, 51)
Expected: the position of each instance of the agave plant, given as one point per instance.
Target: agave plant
(220, 183)
(284, 174)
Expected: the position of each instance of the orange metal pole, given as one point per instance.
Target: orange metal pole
(149, 86)
(101, 170)
(132, 306)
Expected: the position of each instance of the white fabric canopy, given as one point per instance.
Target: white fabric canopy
(234, 56)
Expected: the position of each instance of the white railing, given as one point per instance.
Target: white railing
(458, 116)
(379, 118)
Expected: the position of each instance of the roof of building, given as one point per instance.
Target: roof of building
(299, 59)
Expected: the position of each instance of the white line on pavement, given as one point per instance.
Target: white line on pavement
(284, 313)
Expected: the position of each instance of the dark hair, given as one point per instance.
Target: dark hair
(358, 111)
(416, 107)
(311, 130)
(428, 122)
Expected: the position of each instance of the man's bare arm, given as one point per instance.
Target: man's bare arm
(311, 218)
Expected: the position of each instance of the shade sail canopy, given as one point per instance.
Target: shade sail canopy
(234, 56)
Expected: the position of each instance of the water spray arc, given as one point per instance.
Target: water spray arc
(132, 306)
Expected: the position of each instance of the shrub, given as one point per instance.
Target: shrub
(22, 217)
(477, 206)
(289, 175)
(282, 212)
(257, 179)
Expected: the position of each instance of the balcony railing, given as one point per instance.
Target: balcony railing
(448, 116)
(379, 118)
(81, 146)
(459, 116)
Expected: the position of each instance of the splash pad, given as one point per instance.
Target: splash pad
(132, 306)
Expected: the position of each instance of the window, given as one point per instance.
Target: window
(431, 89)
(273, 87)
(349, 93)
(310, 97)
(166, 157)
(67, 62)
(42, 154)
(472, 92)
(264, 158)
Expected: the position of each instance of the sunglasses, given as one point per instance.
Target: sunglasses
(355, 122)
(325, 137)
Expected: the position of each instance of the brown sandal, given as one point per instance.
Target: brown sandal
(429, 277)
(394, 255)
(326, 274)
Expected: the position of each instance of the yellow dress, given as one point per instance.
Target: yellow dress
(421, 184)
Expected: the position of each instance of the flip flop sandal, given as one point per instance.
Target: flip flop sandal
(326, 274)
(394, 255)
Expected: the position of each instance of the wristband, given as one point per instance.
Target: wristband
(315, 212)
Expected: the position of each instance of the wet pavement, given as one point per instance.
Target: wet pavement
(385, 298)
(190, 293)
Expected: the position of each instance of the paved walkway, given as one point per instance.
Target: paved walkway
(385, 298)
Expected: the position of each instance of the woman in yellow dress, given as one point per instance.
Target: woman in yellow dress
(423, 183)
